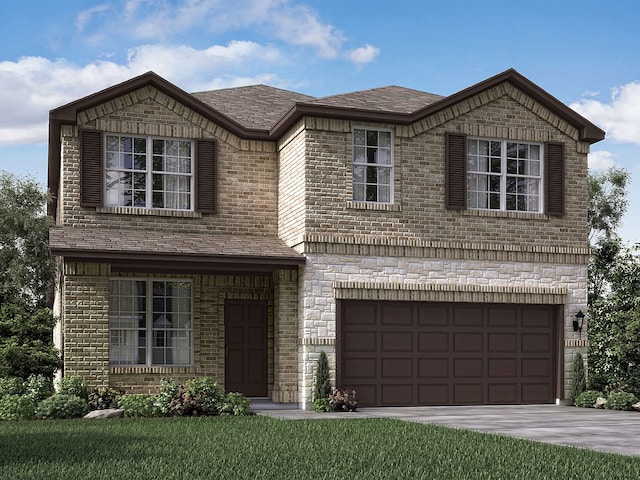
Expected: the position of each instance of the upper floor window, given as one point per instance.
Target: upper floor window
(148, 172)
(504, 175)
(372, 165)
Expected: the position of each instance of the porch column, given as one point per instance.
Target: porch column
(285, 341)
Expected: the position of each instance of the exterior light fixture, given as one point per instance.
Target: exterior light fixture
(578, 322)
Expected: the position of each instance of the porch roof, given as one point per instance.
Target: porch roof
(130, 250)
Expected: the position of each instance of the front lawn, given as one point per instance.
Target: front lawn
(264, 448)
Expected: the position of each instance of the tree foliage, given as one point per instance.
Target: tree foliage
(26, 279)
(322, 384)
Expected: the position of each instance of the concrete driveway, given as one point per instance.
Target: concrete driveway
(604, 430)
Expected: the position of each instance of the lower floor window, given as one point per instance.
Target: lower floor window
(150, 322)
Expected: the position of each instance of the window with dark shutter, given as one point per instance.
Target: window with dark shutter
(205, 176)
(91, 168)
(455, 171)
(554, 169)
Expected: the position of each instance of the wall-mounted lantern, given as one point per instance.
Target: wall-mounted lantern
(578, 322)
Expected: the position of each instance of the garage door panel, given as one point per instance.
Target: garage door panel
(397, 341)
(536, 342)
(395, 395)
(433, 342)
(436, 394)
(468, 394)
(396, 314)
(360, 341)
(433, 316)
(360, 368)
(502, 342)
(397, 368)
(503, 393)
(468, 316)
(468, 367)
(415, 353)
(433, 367)
(468, 342)
(502, 367)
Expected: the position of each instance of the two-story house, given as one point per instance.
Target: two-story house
(435, 247)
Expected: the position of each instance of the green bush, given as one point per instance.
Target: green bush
(322, 384)
(17, 407)
(103, 398)
(579, 383)
(139, 405)
(38, 387)
(203, 395)
(62, 406)
(321, 405)
(587, 399)
(73, 386)
(234, 403)
(169, 390)
(620, 401)
(11, 386)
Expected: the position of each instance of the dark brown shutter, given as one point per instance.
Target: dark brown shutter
(205, 176)
(554, 178)
(455, 171)
(91, 172)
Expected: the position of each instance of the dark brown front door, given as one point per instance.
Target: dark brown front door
(246, 347)
(420, 353)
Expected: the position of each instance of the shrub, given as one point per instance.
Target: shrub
(73, 386)
(62, 406)
(343, 401)
(38, 387)
(203, 396)
(234, 403)
(587, 399)
(579, 383)
(620, 401)
(139, 405)
(322, 384)
(169, 390)
(17, 407)
(11, 386)
(321, 405)
(102, 398)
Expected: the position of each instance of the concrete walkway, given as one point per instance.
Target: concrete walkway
(603, 430)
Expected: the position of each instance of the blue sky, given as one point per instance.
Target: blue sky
(586, 53)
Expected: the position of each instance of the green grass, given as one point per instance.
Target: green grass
(265, 448)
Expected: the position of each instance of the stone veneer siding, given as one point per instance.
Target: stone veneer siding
(85, 329)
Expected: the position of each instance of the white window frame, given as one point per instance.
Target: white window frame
(503, 174)
(149, 173)
(127, 335)
(355, 164)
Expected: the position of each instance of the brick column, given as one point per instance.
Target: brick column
(85, 322)
(285, 341)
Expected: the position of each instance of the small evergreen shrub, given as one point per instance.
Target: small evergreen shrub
(103, 398)
(343, 401)
(579, 383)
(234, 403)
(587, 399)
(322, 384)
(62, 406)
(73, 386)
(139, 405)
(38, 387)
(321, 405)
(17, 407)
(11, 386)
(620, 401)
(202, 396)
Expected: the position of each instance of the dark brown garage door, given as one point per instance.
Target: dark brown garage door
(418, 353)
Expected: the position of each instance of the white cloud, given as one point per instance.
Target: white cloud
(620, 118)
(363, 55)
(601, 160)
